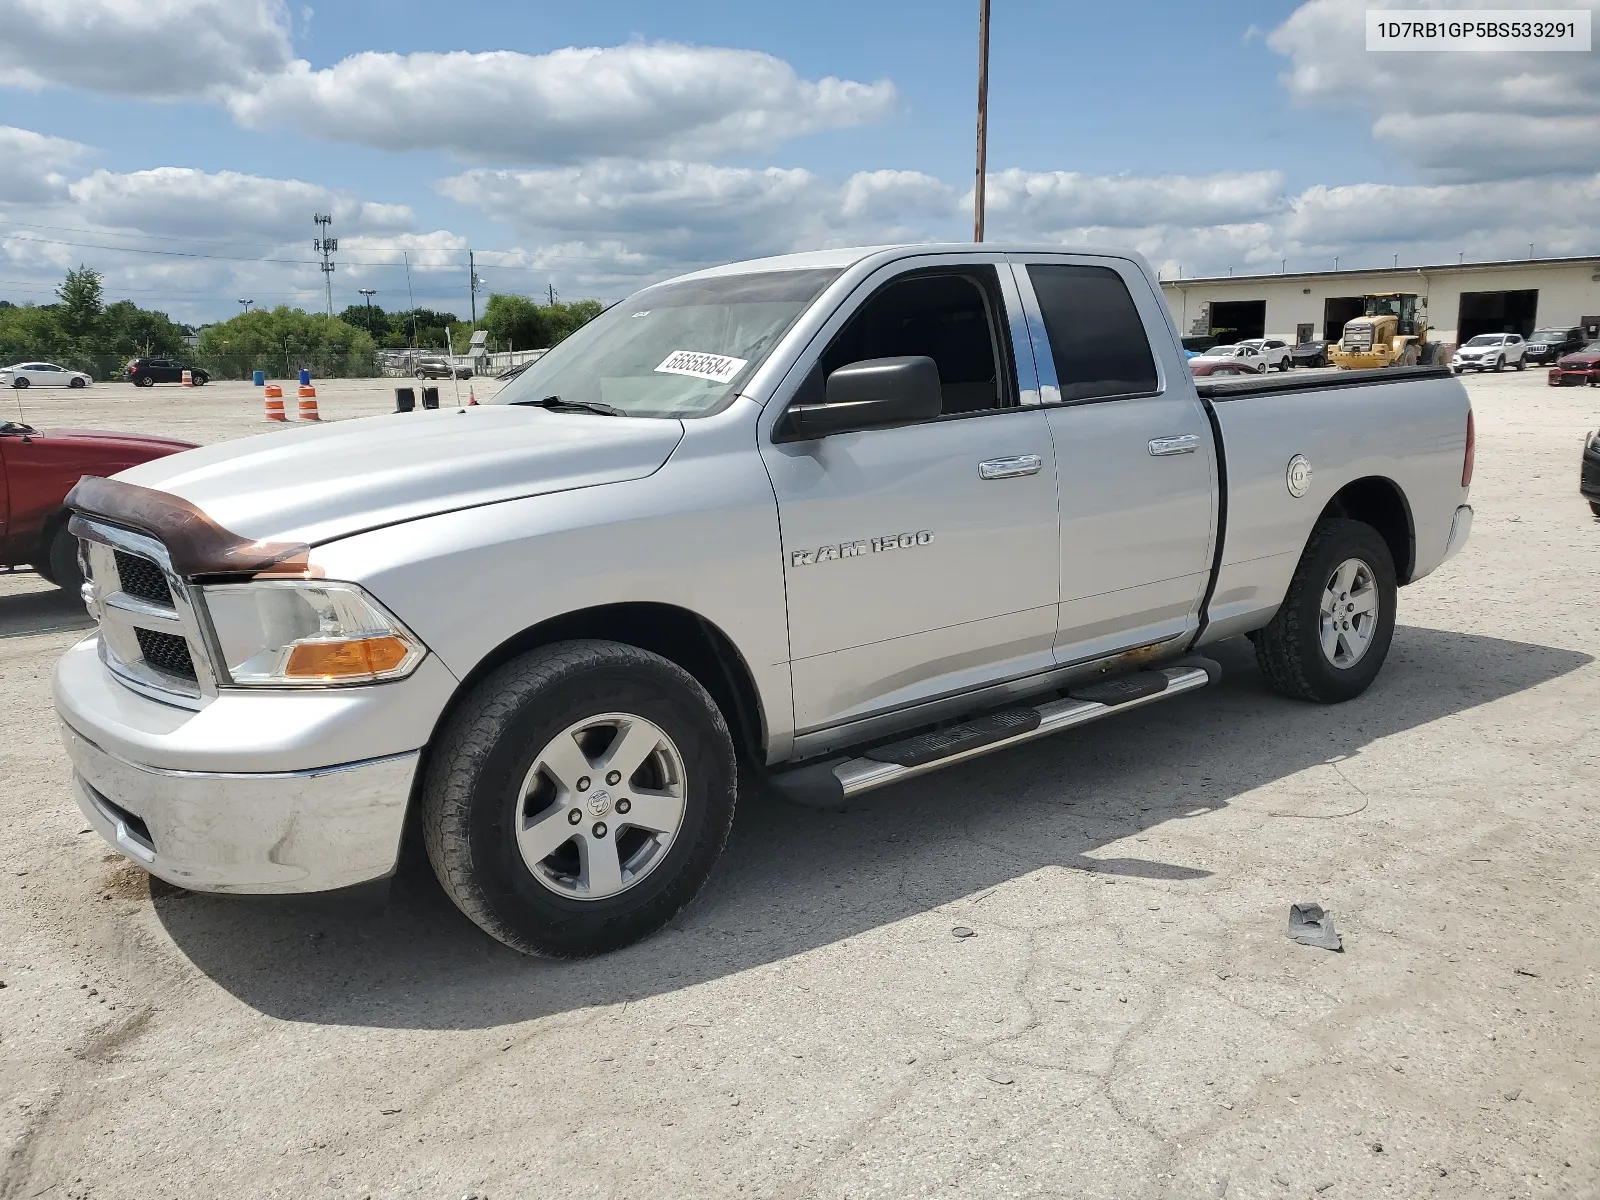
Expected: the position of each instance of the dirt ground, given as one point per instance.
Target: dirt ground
(1129, 1019)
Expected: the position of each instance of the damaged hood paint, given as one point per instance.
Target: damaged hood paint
(315, 485)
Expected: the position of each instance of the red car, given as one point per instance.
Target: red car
(1577, 368)
(38, 469)
(1222, 366)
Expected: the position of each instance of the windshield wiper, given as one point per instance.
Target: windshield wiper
(557, 404)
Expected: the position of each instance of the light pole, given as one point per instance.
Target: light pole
(367, 294)
(246, 303)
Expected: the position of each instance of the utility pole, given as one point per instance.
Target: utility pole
(552, 294)
(327, 246)
(367, 294)
(472, 285)
(983, 119)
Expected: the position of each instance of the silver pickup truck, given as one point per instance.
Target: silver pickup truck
(842, 517)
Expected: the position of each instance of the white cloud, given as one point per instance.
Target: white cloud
(658, 100)
(1455, 116)
(1042, 203)
(224, 204)
(32, 165)
(151, 49)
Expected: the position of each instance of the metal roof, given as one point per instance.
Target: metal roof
(1589, 260)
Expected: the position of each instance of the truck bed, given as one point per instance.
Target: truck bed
(1233, 389)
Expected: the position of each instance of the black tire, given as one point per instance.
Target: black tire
(1261, 368)
(1522, 364)
(199, 380)
(75, 382)
(63, 570)
(472, 792)
(145, 381)
(1289, 650)
(20, 382)
(1499, 364)
(421, 374)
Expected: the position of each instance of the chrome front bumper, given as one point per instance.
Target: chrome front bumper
(291, 831)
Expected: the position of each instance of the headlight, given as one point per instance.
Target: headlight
(307, 633)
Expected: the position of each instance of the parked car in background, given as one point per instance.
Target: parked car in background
(1589, 478)
(43, 374)
(1547, 345)
(1202, 367)
(147, 372)
(436, 366)
(1200, 343)
(1311, 354)
(37, 469)
(1578, 368)
(1273, 352)
(1490, 352)
(1230, 360)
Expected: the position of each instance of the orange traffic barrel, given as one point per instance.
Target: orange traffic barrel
(308, 404)
(188, 378)
(273, 399)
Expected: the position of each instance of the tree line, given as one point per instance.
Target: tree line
(82, 332)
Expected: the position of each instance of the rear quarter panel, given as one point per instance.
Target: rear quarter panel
(1411, 432)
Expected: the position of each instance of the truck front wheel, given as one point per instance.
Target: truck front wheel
(579, 797)
(1328, 641)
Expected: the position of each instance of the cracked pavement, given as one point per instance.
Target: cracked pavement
(1127, 1020)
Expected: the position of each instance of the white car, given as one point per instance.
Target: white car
(1273, 352)
(1491, 352)
(42, 374)
(1245, 353)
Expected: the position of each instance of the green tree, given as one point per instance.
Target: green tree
(281, 341)
(82, 299)
(524, 324)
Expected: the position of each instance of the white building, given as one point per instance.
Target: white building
(1462, 299)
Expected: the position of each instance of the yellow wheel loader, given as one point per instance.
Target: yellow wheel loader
(1393, 329)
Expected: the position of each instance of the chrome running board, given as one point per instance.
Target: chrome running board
(829, 784)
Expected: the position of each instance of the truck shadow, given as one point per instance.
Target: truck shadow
(794, 879)
(43, 608)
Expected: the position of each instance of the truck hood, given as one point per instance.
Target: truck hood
(330, 481)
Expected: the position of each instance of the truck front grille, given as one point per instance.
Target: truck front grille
(166, 652)
(142, 578)
(151, 633)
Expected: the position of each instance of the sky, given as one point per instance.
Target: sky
(181, 147)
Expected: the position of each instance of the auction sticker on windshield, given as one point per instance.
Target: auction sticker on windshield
(718, 368)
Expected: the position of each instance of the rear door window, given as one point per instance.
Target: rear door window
(1096, 337)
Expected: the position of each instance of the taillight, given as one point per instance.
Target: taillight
(1472, 449)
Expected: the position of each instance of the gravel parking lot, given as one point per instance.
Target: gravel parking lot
(1128, 1019)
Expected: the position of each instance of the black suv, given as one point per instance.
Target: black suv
(1547, 345)
(147, 372)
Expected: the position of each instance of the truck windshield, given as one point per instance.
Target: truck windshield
(673, 350)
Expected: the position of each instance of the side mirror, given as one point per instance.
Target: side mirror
(870, 394)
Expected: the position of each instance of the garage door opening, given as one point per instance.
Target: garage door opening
(1237, 320)
(1496, 312)
(1336, 310)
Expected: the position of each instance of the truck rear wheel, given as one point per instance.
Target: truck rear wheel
(1329, 639)
(579, 797)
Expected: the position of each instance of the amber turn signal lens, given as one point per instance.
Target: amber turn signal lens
(357, 658)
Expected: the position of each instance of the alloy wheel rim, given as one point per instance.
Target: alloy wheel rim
(601, 806)
(1348, 614)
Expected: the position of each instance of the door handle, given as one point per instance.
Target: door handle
(1178, 443)
(1010, 468)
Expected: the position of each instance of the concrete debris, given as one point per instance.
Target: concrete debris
(1310, 926)
(961, 931)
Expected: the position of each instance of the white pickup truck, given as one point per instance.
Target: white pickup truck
(846, 517)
